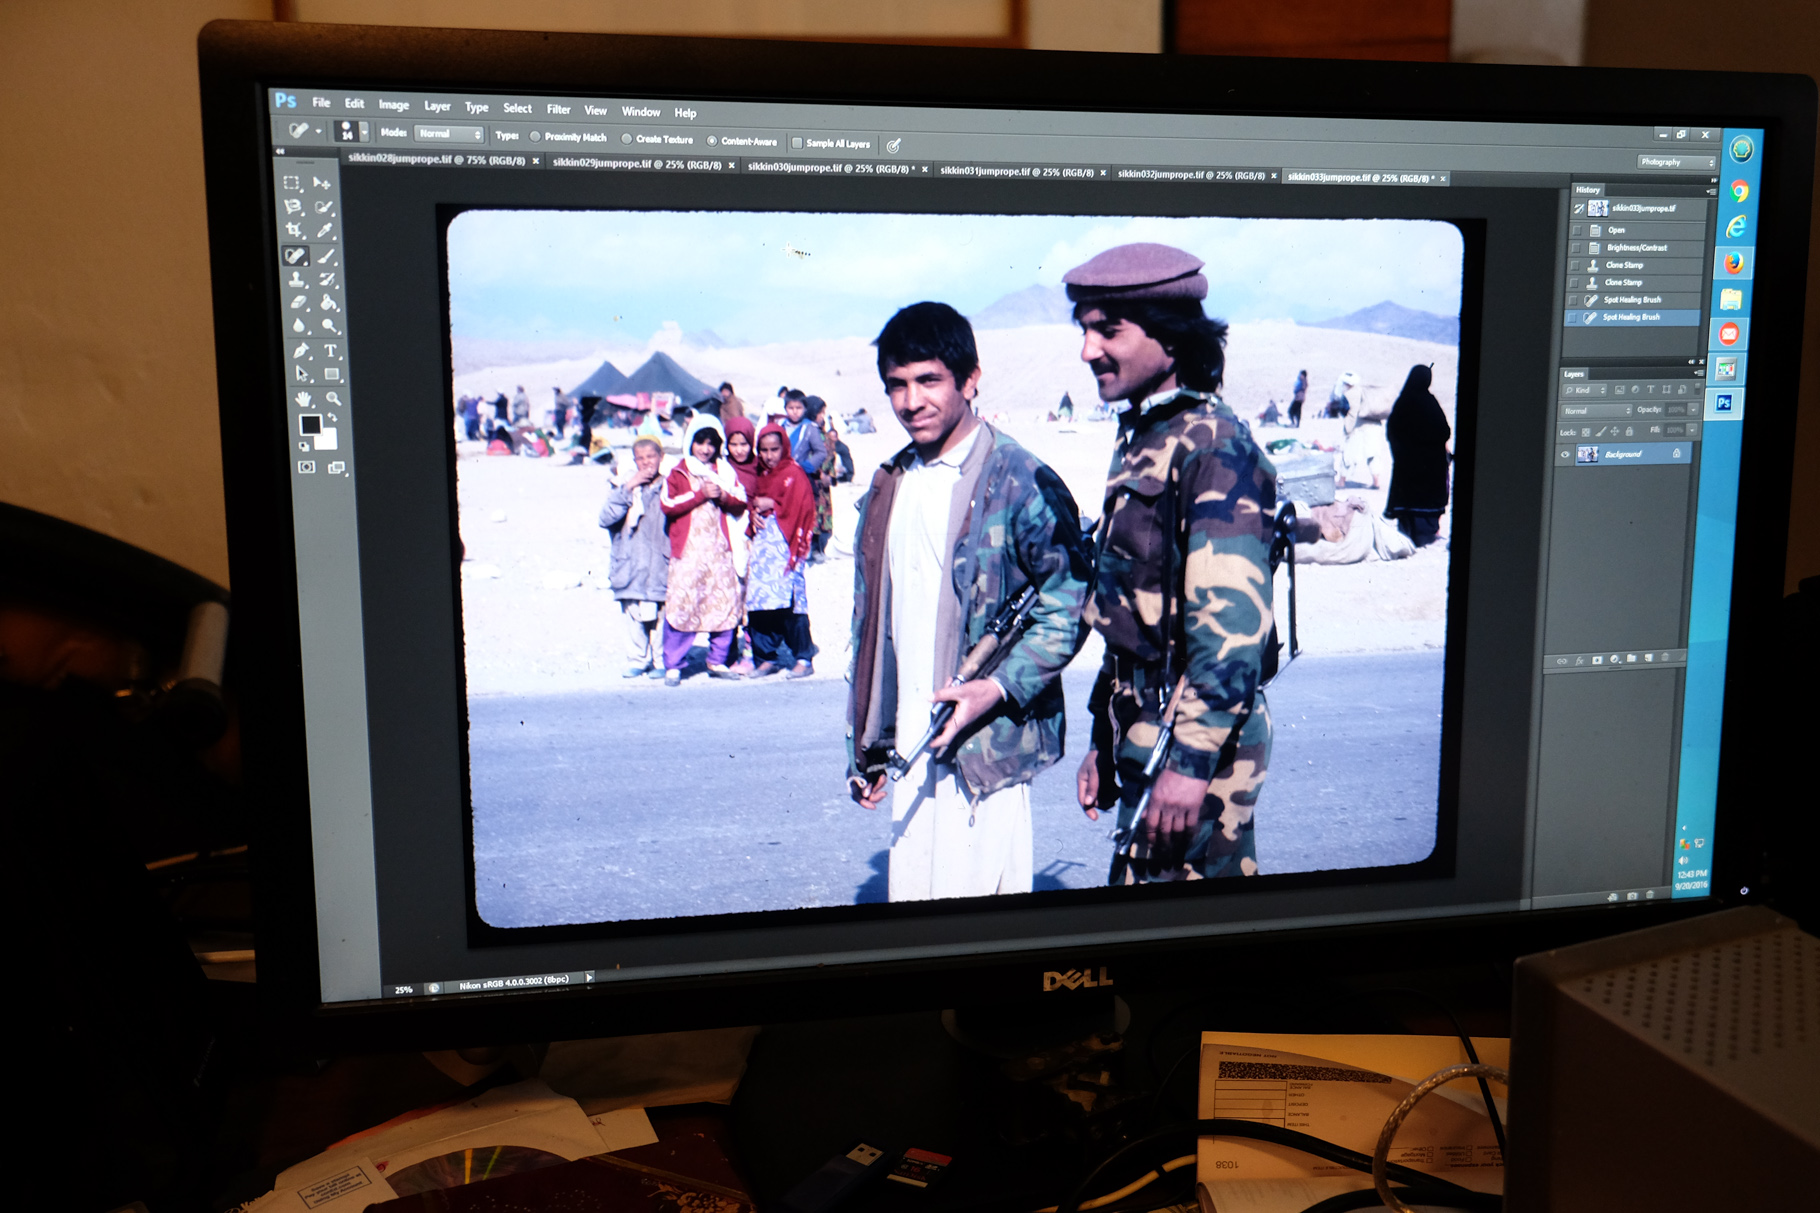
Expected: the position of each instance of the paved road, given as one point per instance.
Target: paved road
(718, 797)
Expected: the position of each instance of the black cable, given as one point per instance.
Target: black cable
(1174, 1188)
(1431, 1189)
(1367, 1198)
(1472, 1054)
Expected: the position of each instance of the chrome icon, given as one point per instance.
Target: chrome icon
(1743, 149)
(1740, 190)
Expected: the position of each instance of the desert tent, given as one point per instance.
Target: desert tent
(607, 380)
(660, 373)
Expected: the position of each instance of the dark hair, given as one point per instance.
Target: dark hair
(1194, 339)
(794, 393)
(813, 406)
(926, 331)
(709, 432)
(726, 387)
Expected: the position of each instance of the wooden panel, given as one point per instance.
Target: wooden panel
(920, 22)
(1316, 29)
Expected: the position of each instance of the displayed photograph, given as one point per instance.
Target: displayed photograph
(817, 560)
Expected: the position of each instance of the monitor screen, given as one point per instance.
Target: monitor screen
(1341, 508)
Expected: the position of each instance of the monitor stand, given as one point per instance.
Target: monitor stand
(1035, 1026)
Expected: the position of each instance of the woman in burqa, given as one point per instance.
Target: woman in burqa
(1418, 434)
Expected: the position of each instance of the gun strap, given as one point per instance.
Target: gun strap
(1173, 586)
(1175, 702)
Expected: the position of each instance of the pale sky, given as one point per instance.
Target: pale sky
(756, 277)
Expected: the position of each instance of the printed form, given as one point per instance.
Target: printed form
(1340, 1089)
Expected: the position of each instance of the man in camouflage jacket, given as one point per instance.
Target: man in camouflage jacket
(1183, 583)
(954, 526)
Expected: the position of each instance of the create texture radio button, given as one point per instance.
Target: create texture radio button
(436, 132)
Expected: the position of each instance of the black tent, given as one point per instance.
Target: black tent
(607, 380)
(660, 373)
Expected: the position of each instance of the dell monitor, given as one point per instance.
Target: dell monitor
(627, 439)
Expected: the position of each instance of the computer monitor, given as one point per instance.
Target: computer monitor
(557, 710)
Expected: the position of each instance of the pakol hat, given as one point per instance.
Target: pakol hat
(1137, 271)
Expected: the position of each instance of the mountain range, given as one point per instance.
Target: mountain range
(1395, 320)
(1032, 305)
(1049, 305)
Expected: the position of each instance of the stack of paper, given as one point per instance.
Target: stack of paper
(1341, 1089)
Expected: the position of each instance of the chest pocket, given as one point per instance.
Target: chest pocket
(1134, 534)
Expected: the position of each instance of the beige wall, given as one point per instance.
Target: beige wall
(107, 362)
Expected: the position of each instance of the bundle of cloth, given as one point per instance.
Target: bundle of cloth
(1351, 532)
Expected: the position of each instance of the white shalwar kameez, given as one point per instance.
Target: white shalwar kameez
(942, 843)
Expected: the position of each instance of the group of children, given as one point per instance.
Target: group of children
(715, 547)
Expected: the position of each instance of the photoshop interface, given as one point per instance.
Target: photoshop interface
(1652, 257)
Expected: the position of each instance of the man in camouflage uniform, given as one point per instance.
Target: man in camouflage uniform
(953, 527)
(1183, 584)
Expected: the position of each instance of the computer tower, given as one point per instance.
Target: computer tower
(1671, 1068)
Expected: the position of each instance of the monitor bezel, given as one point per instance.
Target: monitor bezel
(238, 60)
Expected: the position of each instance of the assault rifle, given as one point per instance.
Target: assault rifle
(1002, 630)
(1159, 753)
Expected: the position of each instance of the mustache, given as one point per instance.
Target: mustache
(1104, 365)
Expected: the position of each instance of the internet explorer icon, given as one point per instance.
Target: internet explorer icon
(1736, 227)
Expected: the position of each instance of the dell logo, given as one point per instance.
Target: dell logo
(1075, 979)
